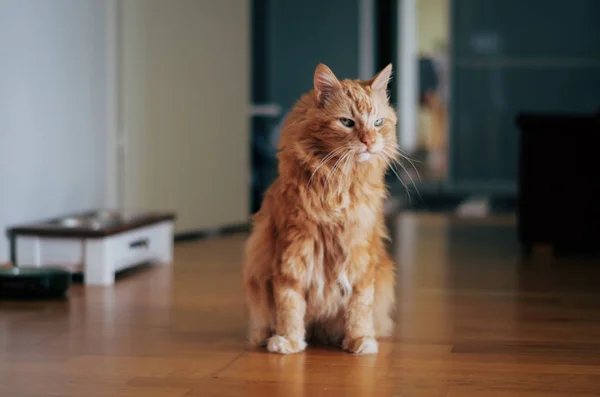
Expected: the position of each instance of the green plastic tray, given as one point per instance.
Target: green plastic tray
(19, 282)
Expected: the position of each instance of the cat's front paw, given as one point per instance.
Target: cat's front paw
(362, 345)
(283, 345)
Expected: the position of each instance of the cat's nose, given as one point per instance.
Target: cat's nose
(367, 140)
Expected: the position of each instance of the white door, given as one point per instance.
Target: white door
(183, 110)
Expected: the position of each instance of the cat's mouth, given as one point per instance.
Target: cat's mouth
(368, 153)
(364, 156)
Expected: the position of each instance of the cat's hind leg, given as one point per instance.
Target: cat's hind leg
(261, 313)
(258, 283)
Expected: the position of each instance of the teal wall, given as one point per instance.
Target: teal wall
(510, 56)
(303, 33)
(290, 37)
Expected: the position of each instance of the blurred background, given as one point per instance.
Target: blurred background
(176, 105)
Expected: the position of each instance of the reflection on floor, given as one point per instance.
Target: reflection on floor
(473, 319)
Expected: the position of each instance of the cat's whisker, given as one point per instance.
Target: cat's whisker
(415, 168)
(347, 158)
(334, 167)
(338, 163)
(328, 157)
(395, 161)
(406, 172)
(411, 179)
(405, 155)
(411, 161)
(348, 162)
(391, 166)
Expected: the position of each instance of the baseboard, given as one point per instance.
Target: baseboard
(206, 233)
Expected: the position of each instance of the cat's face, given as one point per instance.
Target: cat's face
(354, 119)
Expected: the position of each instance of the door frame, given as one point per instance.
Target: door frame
(366, 39)
(407, 88)
(114, 132)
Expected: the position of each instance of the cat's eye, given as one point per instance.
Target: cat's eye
(378, 122)
(347, 122)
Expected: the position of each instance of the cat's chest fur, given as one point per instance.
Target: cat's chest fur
(343, 230)
(349, 209)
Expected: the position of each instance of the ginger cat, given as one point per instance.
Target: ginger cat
(316, 265)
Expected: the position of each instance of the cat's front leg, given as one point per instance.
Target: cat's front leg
(290, 302)
(360, 330)
(291, 307)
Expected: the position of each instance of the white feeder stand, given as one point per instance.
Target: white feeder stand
(97, 244)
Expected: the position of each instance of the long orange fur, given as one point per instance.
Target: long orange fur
(316, 265)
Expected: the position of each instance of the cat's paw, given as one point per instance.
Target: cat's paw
(362, 345)
(283, 345)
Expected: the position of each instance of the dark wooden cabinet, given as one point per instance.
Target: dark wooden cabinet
(559, 180)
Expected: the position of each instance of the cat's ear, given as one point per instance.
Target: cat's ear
(381, 81)
(325, 83)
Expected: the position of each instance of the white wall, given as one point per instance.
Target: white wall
(52, 109)
(185, 93)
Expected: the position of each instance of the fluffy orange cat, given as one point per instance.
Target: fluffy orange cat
(316, 265)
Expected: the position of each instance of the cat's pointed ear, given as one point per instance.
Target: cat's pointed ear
(381, 81)
(324, 82)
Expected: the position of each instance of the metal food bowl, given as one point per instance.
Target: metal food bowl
(96, 220)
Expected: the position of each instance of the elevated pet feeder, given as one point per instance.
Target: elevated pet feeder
(97, 243)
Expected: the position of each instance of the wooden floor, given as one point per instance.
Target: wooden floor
(473, 320)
